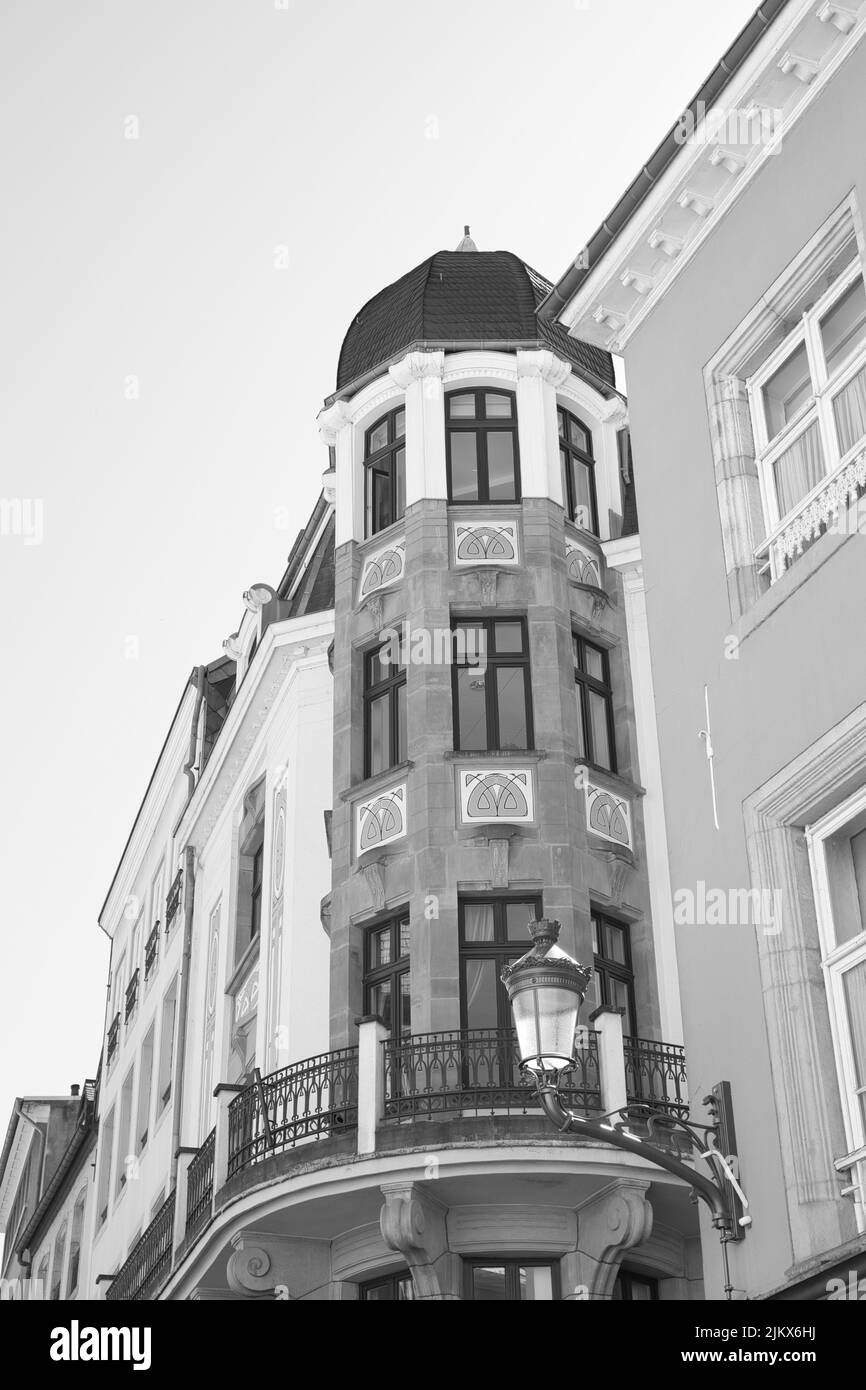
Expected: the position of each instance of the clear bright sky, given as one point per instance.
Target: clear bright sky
(292, 159)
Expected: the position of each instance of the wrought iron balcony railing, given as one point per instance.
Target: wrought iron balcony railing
(172, 902)
(308, 1100)
(475, 1070)
(151, 951)
(131, 996)
(113, 1037)
(655, 1074)
(199, 1187)
(149, 1262)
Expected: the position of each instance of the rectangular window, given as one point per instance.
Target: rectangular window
(511, 1281)
(386, 974)
(482, 453)
(492, 932)
(385, 471)
(251, 857)
(491, 686)
(612, 980)
(635, 1288)
(384, 712)
(595, 731)
(395, 1288)
(124, 1149)
(578, 470)
(106, 1146)
(145, 1084)
(166, 1047)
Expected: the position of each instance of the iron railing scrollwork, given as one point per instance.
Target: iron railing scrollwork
(113, 1037)
(131, 996)
(150, 1260)
(655, 1075)
(199, 1187)
(151, 951)
(476, 1070)
(309, 1100)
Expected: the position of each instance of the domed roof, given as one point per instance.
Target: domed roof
(461, 299)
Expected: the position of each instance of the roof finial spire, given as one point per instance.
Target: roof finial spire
(467, 244)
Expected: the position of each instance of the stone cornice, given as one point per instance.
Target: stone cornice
(415, 366)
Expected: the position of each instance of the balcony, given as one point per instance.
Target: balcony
(113, 1038)
(131, 996)
(151, 952)
(172, 902)
(824, 507)
(356, 1095)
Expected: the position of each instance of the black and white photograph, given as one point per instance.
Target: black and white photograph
(433, 797)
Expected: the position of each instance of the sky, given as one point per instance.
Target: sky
(198, 197)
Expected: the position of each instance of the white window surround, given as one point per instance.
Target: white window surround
(420, 381)
(742, 452)
(837, 959)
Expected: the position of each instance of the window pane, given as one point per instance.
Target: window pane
(464, 466)
(854, 981)
(508, 637)
(379, 745)
(787, 390)
(381, 1293)
(581, 737)
(380, 948)
(844, 326)
(471, 708)
(500, 466)
(577, 435)
(404, 937)
(378, 437)
(401, 722)
(619, 998)
(849, 408)
(462, 407)
(581, 494)
(380, 1001)
(478, 922)
(400, 483)
(405, 1004)
(595, 937)
(517, 917)
(497, 407)
(480, 991)
(511, 705)
(598, 729)
(615, 944)
(536, 1283)
(405, 1289)
(560, 424)
(798, 469)
(594, 662)
(488, 1284)
(858, 854)
(382, 500)
(399, 424)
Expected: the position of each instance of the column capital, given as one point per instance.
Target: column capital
(331, 420)
(416, 365)
(540, 362)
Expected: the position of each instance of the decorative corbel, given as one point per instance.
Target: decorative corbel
(416, 365)
(332, 420)
(543, 363)
(412, 1222)
(612, 1221)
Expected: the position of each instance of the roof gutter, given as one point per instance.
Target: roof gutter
(660, 160)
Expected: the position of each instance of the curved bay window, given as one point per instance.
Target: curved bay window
(493, 932)
(492, 691)
(481, 443)
(595, 731)
(575, 452)
(386, 974)
(385, 471)
(612, 980)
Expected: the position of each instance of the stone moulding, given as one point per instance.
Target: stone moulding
(382, 567)
(496, 794)
(380, 819)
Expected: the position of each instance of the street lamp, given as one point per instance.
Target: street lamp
(546, 989)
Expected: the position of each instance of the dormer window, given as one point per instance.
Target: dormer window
(385, 471)
(575, 452)
(482, 454)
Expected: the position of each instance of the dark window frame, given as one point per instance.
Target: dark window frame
(374, 690)
(492, 659)
(606, 968)
(399, 965)
(573, 451)
(384, 462)
(481, 425)
(602, 687)
(503, 947)
(627, 1278)
(387, 1281)
(512, 1264)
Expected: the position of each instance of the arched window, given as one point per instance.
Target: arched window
(482, 454)
(575, 451)
(385, 471)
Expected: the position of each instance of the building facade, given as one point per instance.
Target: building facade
(749, 427)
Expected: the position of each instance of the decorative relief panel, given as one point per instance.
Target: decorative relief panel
(382, 568)
(496, 794)
(486, 542)
(247, 996)
(583, 567)
(608, 815)
(380, 819)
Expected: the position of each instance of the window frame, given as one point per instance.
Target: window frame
(400, 1277)
(627, 1278)
(493, 659)
(573, 451)
(374, 690)
(502, 947)
(819, 407)
(387, 454)
(511, 1264)
(604, 688)
(480, 426)
(399, 965)
(605, 968)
